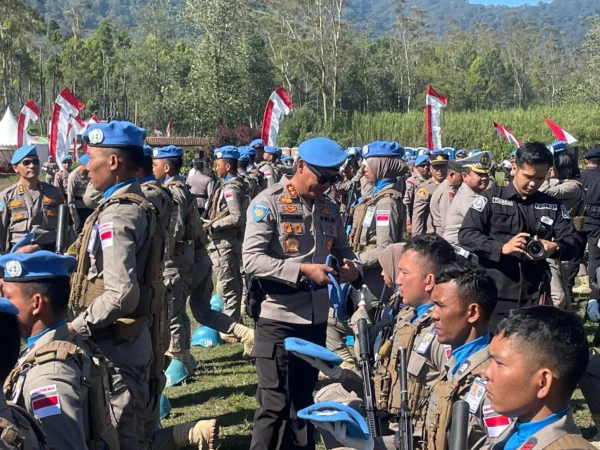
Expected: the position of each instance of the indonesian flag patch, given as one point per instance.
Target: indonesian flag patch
(268, 175)
(496, 425)
(45, 401)
(228, 196)
(383, 217)
(106, 234)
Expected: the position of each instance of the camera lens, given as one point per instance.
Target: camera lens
(535, 249)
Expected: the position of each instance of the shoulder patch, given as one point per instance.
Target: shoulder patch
(563, 211)
(259, 212)
(479, 203)
(495, 425)
(422, 192)
(45, 401)
(106, 234)
(228, 195)
(2, 207)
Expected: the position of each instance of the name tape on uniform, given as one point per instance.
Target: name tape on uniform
(106, 234)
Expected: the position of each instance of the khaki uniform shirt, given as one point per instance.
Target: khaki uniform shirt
(412, 184)
(66, 423)
(61, 179)
(548, 435)
(76, 186)
(457, 211)
(22, 211)
(228, 205)
(31, 440)
(569, 192)
(201, 186)
(283, 231)
(439, 205)
(421, 218)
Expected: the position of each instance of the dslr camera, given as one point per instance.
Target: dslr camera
(534, 247)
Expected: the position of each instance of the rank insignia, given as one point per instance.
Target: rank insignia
(48, 201)
(287, 227)
(292, 245)
(298, 228)
(329, 245)
(289, 208)
(259, 212)
(49, 213)
(15, 204)
(19, 216)
(422, 192)
(326, 211)
(292, 190)
(285, 199)
(21, 189)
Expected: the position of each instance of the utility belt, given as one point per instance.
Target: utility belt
(204, 196)
(276, 288)
(592, 211)
(357, 247)
(78, 197)
(124, 329)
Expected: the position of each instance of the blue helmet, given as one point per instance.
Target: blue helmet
(206, 337)
(215, 300)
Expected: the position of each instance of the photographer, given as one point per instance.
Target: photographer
(514, 229)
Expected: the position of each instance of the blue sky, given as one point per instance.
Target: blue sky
(507, 2)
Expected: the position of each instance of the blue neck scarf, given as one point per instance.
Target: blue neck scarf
(111, 190)
(383, 183)
(149, 178)
(421, 309)
(230, 177)
(524, 431)
(462, 353)
(33, 339)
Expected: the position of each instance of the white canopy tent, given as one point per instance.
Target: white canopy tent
(8, 140)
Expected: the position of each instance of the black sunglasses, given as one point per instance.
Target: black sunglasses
(323, 179)
(28, 162)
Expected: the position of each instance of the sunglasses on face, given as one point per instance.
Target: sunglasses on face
(29, 162)
(323, 179)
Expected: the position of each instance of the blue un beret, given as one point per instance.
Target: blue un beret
(256, 143)
(251, 151)
(460, 151)
(388, 149)
(22, 152)
(558, 146)
(115, 134)
(593, 153)
(148, 151)
(322, 152)
(423, 159)
(84, 160)
(7, 307)
(272, 150)
(170, 151)
(66, 158)
(37, 265)
(244, 158)
(227, 152)
(303, 347)
(356, 426)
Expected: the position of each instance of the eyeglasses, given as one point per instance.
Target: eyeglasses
(29, 162)
(323, 179)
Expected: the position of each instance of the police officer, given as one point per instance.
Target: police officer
(422, 173)
(62, 176)
(422, 222)
(49, 169)
(291, 229)
(502, 221)
(28, 205)
(475, 176)
(225, 224)
(443, 196)
(590, 179)
(256, 156)
(167, 164)
(267, 167)
(460, 154)
(77, 183)
(250, 178)
(531, 344)
(18, 429)
(54, 379)
(201, 183)
(112, 289)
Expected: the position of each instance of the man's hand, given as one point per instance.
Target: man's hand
(333, 372)
(29, 248)
(549, 248)
(70, 327)
(516, 245)
(408, 226)
(317, 272)
(348, 272)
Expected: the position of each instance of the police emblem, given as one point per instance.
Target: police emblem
(329, 245)
(485, 159)
(14, 268)
(292, 245)
(287, 227)
(326, 211)
(422, 192)
(292, 191)
(21, 189)
(479, 203)
(298, 228)
(96, 136)
(285, 199)
(289, 208)
(155, 153)
(259, 212)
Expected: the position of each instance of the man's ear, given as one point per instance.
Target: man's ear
(474, 312)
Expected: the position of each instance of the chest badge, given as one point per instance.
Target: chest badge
(292, 245)
(289, 208)
(298, 228)
(287, 227)
(285, 199)
(329, 245)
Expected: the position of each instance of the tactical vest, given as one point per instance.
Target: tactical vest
(96, 377)
(439, 402)
(191, 216)
(14, 435)
(570, 442)
(360, 212)
(84, 291)
(238, 185)
(386, 377)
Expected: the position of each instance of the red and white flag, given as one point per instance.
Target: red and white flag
(157, 132)
(169, 129)
(434, 103)
(91, 121)
(29, 113)
(75, 127)
(507, 134)
(560, 134)
(279, 105)
(65, 107)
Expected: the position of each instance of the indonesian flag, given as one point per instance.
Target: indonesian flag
(507, 134)
(434, 103)
(91, 121)
(279, 105)
(29, 113)
(65, 107)
(157, 132)
(75, 127)
(169, 129)
(560, 134)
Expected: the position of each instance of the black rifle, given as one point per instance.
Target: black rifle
(404, 435)
(366, 372)
(63, 227)
(389, 326)
(208, 205)
(347, 216)
(380, 305)
(459, 430)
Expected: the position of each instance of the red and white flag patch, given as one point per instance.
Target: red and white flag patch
(268, 175)
(228, 196)
(106, 234)
(383, 217)
(496, 425)
(45, 401)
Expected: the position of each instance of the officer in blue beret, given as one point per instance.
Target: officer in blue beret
(29, 204)
(421, 174)
(77, 183)
(291, 229)
(266, 167)
(347, 190)
(114, 287)
(62, 176)
(49, 169)
(460, 154)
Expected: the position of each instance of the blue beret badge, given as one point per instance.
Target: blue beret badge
(259, 212)
(96, 136)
